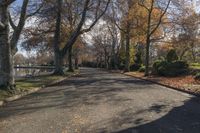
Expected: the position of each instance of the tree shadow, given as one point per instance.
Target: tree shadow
(90, 88)
(183, 119)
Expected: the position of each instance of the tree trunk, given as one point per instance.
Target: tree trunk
(147, 56)
(76, 62)
(70, 69)
(113, 64)
(58, 61)
(127, 65)
(193, 52)
(6, 71)
(148, 41)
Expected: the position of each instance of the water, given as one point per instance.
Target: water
(27, 72)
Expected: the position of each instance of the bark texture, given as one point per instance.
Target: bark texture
(58, 59)
(127, 63)
(6, 71)
(70, 66)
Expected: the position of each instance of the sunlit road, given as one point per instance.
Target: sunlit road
(100, 102)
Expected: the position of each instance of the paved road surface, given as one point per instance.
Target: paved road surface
(100, 102)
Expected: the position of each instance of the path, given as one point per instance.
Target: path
(100, 102)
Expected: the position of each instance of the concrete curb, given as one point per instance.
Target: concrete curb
(168, 86)
(1, 103)
(15, 97)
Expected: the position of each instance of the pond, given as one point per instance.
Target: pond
(27, 72)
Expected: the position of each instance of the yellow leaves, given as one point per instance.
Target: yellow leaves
(132, 55)
(138, 16)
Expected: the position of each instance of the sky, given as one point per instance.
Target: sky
(19, 3)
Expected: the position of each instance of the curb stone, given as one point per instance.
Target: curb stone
(15, 97)
(1, 103)
(9, 99)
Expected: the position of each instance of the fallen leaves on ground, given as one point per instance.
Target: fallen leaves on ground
(187, 82)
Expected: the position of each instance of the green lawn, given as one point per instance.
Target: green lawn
(195, 65)
(25, 84)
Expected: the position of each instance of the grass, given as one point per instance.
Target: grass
(195, 65)
(4, 94)
(26, 84)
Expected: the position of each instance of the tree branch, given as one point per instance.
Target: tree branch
(34, 13)
(96, 20)
(6, 2)
(2, 26)
(12, 23)
(161, 17)
(76, 33)
(143, 5)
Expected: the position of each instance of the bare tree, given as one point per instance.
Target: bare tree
(6, 73)
(91, 12)
(102, 45)
(10, 46)
(152, 27)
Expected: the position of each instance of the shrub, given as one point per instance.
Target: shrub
(172, 56)
(142, 69)
(156, 65)
(89, 64)
(135, 67)
(180, 64)
(197, 76)
(121, 66)
(138, 58)
(165, 68)
(137, 62)
(195, 65)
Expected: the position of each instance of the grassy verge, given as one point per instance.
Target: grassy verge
(195, 66)
(26, 84)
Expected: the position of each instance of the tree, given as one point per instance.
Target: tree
(78, 50)
(58, 60)
(11, 44)
(125, 25)
(187, 40)
(6, 70)
(102, 45)
(88, 10)
(19, 59)
(113, 31)
(152, 6)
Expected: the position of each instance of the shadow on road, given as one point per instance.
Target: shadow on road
(88, 89)
(84, 89)
(181, 119)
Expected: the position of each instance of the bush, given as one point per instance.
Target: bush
(165, 68)
(197, 76)
(172, 56)
(135, 67)
(156, 65)
(195, 65)
(121, 66)
(142, 69)
(89, 64)
(138, 58)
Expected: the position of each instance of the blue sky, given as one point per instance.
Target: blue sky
(18, 2)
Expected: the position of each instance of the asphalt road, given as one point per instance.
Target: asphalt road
(100, 102)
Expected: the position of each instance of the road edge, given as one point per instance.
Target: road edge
(16, 97)
(164, 85)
